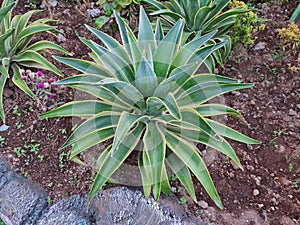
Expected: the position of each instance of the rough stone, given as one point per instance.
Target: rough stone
(121, 205)
(203, 204)
(292, 112)
(22, 201)
(69, 211)
(255, 192)
(260, 46)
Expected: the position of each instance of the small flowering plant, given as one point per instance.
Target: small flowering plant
(17, 49)
(43, 87)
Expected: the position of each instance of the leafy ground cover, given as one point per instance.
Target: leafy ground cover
(269, 184)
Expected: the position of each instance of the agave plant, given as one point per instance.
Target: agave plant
(16, 48)
(201, 16)
(150, 100)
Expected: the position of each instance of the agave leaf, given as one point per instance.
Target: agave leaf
(84, 66)
(126, 122)
(90, 79)
(17, 80)
(167, 48)
(169, 84)
(30, 56)
(43, 45)
(154, 3)
(167, 12)
(154, 105)
(81, 109)
(159, 32)
(91, 139)
(216, 110)
(23, 20)
(230, 133)
(3, 39)
(201, 16)
(202, 95)
(123, 31)
(113, 45)
(210, 64)
(102, 120)
(186, 52)
(194, 162)
(145, 79)
(103, 93)
(145, 34)
(111, 162)
(189, 133)
(145, 170)
(186, 86)
(5, 9)
(28, 32)
(2, 84)
(182, 172)
(155, 146)
(115, 64)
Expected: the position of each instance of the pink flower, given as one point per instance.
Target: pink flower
(22, 71)
(51, 80)
(39, 73)
(28, 71)
(40, 85)
(62, 86)
(51, 96)
(55, 85)
(24, 78)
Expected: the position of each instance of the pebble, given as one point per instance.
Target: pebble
(61, 38)
(292, 112)
(93, 12)
(203, 204)
(252, 102)
(260, 205)
(255, 192)
(236, 93)
(250, 168)
(260, 46)
(281, 149)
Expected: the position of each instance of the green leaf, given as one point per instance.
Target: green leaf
(166, 49)
(28, 57)
(159, 32)
(126, 122)
(109, 162)
(2, 84)
(112, 44)
(102, 120)
(91, 139)
(216, 110)
(194, 162)
(5, 9)
(43, 45)
(182, 172)
(145, 79)
(202, 95)
(17, 80)
(145, 170)
(155, 146)
(84, 66)
(230, 133)
(145, 34)
(81, 108)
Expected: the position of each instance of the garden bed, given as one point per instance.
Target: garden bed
(269, 186)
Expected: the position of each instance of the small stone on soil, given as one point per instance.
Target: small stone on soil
(260, 46)
(203, 204)
(255, 192)
(292, 112)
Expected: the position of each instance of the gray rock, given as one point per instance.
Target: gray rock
(69, 211)
(121, 205)
(93, 12)
(22, 201)
(292, 112)
(61, 38)
(260, 46)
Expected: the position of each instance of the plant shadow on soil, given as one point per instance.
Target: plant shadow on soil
(271, 110)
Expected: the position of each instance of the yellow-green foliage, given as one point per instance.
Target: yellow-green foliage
(290, 36)
(242, 29)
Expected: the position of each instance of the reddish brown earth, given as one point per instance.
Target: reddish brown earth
(271, 110)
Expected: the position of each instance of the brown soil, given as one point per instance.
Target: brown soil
(271, 110)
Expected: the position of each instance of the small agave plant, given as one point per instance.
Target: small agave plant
(17, 50)
(150, 100)
(201, 16)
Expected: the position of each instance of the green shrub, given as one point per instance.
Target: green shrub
(17, 50)
(201, 16)
(242, 30)
(150, 100)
